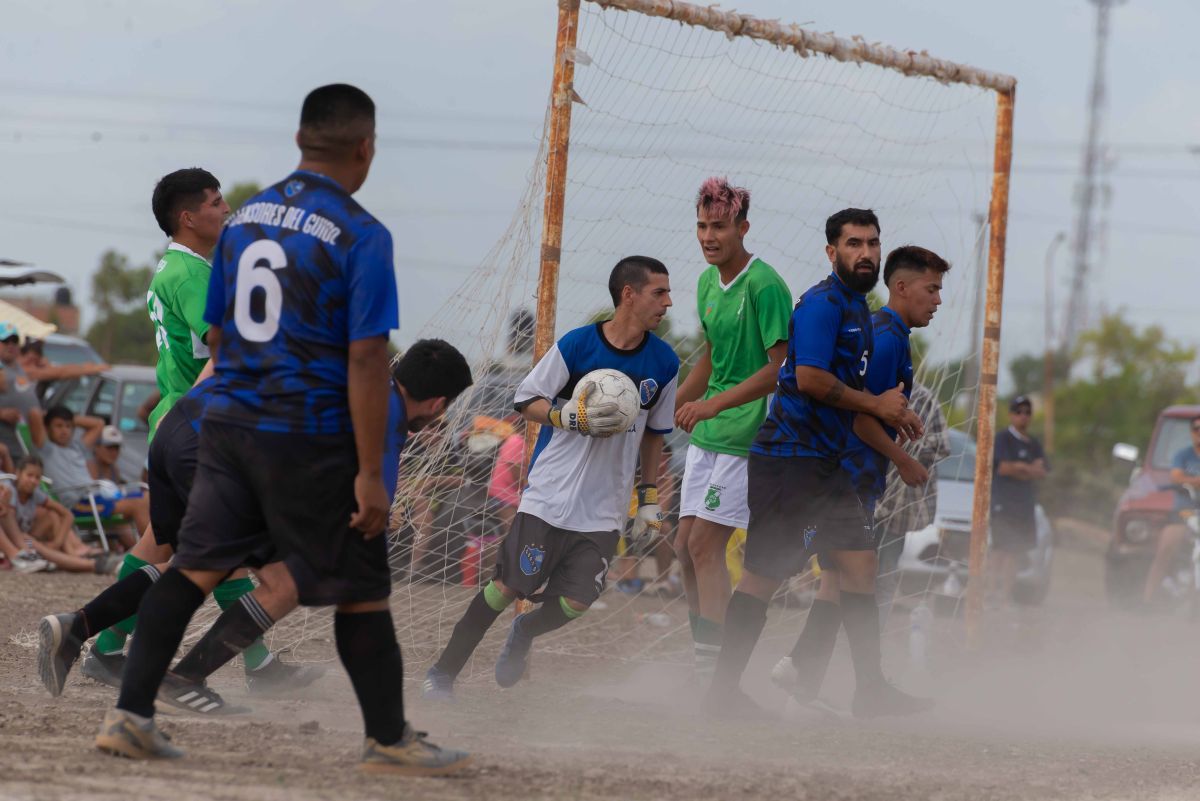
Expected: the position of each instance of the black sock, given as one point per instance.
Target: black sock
(233, 632)
(860, 616)
(163, 617)
(366, 644)
(546, 618)
(744, 620)
(814, 647)
(468, 631)
(116, 603)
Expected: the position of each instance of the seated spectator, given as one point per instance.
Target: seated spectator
(45, 524)
(12, 546)
(66, 463)
(103, 464)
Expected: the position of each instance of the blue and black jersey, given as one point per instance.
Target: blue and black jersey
(891, 364)
(193, 406)
(830, 329)
(300, 272)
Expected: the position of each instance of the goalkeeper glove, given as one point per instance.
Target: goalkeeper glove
(647, 523)
(591, 420)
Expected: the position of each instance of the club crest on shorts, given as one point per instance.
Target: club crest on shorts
(712, 498)
(532, 557)
(646, 390)
(809, 533)
(293, 188)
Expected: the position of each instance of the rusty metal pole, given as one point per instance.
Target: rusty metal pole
(990, 358)
(561, 92)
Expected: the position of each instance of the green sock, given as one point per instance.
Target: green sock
(226, 595)
(112, 640)
(571, 612)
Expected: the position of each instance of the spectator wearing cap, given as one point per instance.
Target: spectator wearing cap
(1018, 464)
(18, 394)
(103, 464)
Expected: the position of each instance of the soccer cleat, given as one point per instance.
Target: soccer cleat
(880, 698)
(122, 735)
(57, 650)
(412, 756)
(195, 697)
(278, 677)
(30, 562)
(514, 656)
(104, 668)
(438, 685)
(784, 675)
(733, 705)
(811, 710)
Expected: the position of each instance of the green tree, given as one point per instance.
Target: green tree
(239, 193)
(120, 289)
(1124, 376)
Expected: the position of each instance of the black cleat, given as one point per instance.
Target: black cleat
(195, 697)
(278, 677)
(57, 650)
(104, 668)
(882, 699)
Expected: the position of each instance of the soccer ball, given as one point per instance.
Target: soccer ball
(614, 386)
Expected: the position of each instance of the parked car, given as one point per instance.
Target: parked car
(1145, 507)
(63, 349)
(114, 395)
(932, 554)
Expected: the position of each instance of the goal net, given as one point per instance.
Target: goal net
(809, 124)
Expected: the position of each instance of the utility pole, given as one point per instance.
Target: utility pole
(1089, 187)
(1048, 360)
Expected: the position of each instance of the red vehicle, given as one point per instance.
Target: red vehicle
(1145, 507)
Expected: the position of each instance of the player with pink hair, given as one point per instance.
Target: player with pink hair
(744, 309)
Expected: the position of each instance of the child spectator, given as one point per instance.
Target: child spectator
(66, 462)
(46, 525)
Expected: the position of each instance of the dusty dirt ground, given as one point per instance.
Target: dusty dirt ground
(1070, 701)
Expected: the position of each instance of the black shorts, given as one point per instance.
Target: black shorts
(800, 507)
(572, 564)
(172, 467)
(262, 496)
(1014, 533)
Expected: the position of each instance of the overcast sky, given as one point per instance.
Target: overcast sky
(99, 99)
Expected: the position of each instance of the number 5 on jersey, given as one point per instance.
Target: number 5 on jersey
(256, 271)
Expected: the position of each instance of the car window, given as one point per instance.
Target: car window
(133, 395)
(960, 464)
(1173, 436)
(77, 396)
(64, 353)
(104, 400)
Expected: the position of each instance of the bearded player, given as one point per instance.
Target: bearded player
(801, 501)
(567, 525)
(744, 308)
(913, 276)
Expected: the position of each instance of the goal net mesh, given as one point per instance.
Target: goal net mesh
(660, 106)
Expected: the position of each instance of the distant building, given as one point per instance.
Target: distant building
(58, 309)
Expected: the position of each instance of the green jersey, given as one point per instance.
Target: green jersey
(741, 321)
(176, 301)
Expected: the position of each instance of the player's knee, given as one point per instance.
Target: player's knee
(498, 596)
(571, 608)
(1171, 537)
(705, 551)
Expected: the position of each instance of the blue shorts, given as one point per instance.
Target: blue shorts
(105, 505)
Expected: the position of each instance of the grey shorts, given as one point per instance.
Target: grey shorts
(572, 564)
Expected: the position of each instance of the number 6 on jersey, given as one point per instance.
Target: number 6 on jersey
(256, 271)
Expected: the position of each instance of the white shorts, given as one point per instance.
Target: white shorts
(714, 488)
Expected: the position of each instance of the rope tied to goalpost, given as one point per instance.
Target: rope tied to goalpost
(805, 42)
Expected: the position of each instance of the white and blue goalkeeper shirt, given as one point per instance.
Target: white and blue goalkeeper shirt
(583, 483)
